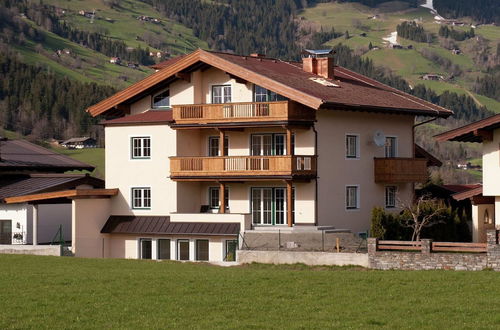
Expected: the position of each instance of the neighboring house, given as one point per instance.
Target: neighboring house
(80, 143)
(432, 77)
(486, 198)
(27, 169)
(115, 60)
(214, 146)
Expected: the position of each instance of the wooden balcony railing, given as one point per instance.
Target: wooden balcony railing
(241, 112)
(233, 166)
(400, 170)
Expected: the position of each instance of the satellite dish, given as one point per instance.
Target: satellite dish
(379, 138)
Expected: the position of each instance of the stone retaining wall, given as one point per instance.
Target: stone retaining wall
(436, 260)
(39, 250)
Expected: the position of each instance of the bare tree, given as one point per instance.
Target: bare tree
(420, 214)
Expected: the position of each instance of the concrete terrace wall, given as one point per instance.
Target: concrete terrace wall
(38, 250)
(438, 260)
(302, 257)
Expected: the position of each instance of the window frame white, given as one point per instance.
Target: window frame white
(142, 138)
(394, 146)
(357, 146)
(358, 203)
(226, 196)
(209, 147)
(386, 196)
(223, 93)
(142, 198)
(153, 107)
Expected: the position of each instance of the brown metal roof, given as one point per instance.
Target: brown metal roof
(471, 132)
(161, 225)
(19, 185)
(21, 155)
(148, 117)
(354, 91)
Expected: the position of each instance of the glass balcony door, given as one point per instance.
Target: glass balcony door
(268, 144)
(268, 206)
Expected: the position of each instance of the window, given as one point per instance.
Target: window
(202, 249)
(269, 205)
(182, 249)
(213, 146)
(221, 94)
(161, 100)
(391, 147)
(352, 197)
(352, 146)
(163, 249)
(390, 196)
(269, 144)
(231, 247)
(264, 95)
(145, 248)
(141, 198)
(141, 147)
(213, 197)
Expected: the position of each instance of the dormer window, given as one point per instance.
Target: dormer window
(162, 100)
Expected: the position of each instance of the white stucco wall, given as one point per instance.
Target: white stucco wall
(124, 173)
(335, 172)
(21, 219)
(491, 166)
(89, 216)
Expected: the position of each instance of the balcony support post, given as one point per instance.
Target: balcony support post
(289, 203)
(289, 149)
(222, 142)
(222, 197)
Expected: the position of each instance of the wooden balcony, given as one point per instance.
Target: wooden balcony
(252, 112)
(252, 167)
(400, 170)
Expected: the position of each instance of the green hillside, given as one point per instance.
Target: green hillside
(370, 25)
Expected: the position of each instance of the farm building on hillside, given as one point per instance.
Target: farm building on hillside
(80, 143)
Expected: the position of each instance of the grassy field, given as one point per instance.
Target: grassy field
(71, 293)
(92, 156)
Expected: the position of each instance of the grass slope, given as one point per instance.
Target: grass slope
(410, 64)
(70, 293)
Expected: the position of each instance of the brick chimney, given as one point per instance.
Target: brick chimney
(319, 62)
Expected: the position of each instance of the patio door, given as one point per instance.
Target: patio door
(5, 232)
(268, 144)
(268, 206)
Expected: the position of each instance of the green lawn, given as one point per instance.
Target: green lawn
(52, 292)
(92, 156)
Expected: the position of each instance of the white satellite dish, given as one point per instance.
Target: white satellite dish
(379, 138)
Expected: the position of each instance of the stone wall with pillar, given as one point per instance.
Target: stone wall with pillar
(427, 259)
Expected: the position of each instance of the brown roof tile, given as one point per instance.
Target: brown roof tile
(148, 117)
(158, 225)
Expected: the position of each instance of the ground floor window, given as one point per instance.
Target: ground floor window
(352, 197)
(390, 196)
(231, 247)
(202, 249)
(163, 249)
(5, 231)
(182, 249)
(146, 248)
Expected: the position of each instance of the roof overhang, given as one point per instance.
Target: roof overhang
(475, 195)
(72, 194)
(480, 131)
(399, 111)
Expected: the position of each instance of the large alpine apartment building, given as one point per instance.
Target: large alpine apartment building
(214, 145)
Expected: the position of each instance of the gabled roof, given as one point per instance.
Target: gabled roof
(155, 225)
(21, 155)
(19, 185)
(145, 118)
(354, 91)
(78, 139)
(471, 132)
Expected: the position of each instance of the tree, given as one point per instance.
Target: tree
(423, 213)
(370, 46)
(346, 35)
